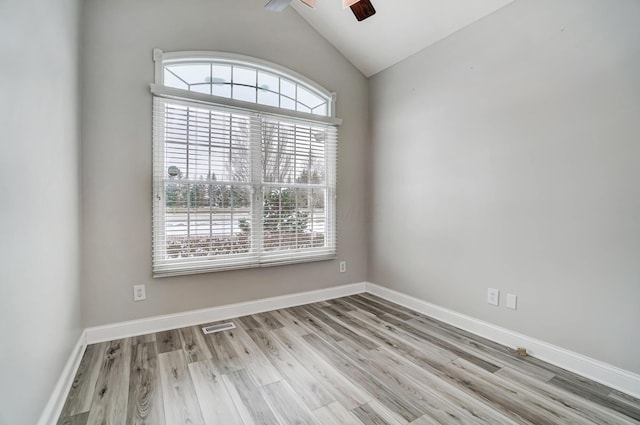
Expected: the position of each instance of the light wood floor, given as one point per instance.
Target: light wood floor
(354, 360)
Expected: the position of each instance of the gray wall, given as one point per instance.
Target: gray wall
(119, 36)
(508, 156)
(40, 186)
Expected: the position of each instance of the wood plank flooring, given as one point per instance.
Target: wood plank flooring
(357, 360)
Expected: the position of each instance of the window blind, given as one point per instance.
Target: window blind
(235, 188)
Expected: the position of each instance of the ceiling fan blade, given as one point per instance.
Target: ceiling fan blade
(277, 5)
(363, 9)
(348, 3)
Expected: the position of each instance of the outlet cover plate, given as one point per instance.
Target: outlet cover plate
(343, 266)
(139, 293)
(512, 301)
(493, 296)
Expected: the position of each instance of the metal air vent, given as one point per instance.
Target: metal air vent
(218, 328)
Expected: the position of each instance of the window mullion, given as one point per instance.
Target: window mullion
(257, 198)
(188, 148)
(210, 176)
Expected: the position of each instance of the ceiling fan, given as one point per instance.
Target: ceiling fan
(362, 9)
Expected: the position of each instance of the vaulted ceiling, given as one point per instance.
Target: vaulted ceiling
(399, 29)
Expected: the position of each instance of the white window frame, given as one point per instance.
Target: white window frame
(257, 257)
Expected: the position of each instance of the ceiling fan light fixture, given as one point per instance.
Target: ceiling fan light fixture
(362, 9)
(349, 3)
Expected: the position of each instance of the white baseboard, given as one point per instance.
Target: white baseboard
(195, 317)
(609, 375)
(58, 397)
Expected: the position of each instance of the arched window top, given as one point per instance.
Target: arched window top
(242, 78)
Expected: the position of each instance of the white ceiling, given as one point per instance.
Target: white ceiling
(399, 29)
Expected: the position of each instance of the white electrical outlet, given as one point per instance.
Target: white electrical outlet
(493, 296)
(512, 301)
(343, 266)
(139, 293)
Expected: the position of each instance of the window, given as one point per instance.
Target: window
(231, 79)
(244, 165)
